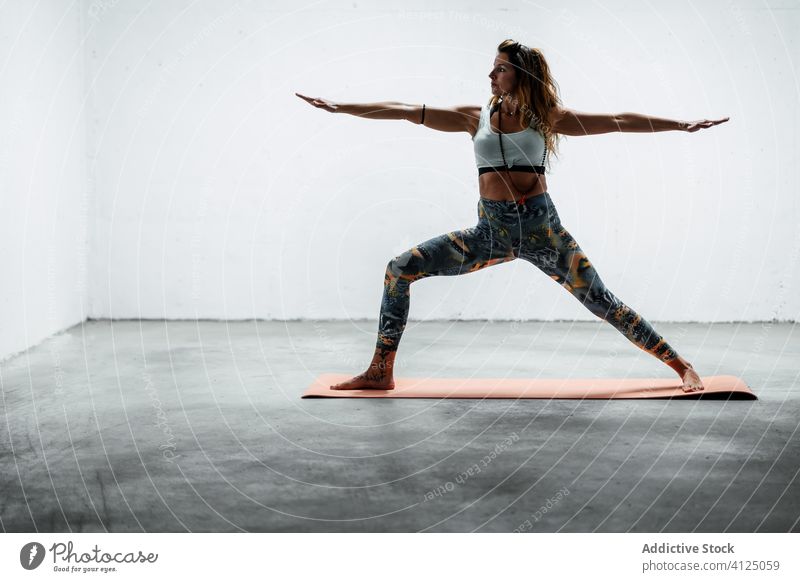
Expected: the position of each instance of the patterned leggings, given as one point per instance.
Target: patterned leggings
(506, 231)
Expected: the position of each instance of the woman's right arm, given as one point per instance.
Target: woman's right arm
(460, 118)
(382, 110)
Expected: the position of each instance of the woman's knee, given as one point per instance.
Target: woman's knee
(407, 267)
(402, 264)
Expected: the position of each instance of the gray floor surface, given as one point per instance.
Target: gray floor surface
(199, 426)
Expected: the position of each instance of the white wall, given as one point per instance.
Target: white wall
(43, 202)
(221, 194)
(214, 192)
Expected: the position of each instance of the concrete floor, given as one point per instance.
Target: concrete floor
(199, 426)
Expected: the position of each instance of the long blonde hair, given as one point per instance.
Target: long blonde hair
(536, 94)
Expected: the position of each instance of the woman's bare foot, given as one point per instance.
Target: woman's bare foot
(377, 377)
(365, 381)
(690, 378)
(691, 381)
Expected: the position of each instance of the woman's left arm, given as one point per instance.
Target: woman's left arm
(636, 122)
(571, 122)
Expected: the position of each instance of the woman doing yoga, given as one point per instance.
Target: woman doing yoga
(512, 134)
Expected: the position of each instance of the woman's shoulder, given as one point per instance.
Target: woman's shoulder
(473, 110)
(474, 115)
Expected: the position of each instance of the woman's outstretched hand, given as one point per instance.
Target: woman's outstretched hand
(702, 124)
(320, 103)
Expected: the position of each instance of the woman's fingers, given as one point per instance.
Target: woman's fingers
(320, 103)
(704, 123)
(312, 100)
(309, 99)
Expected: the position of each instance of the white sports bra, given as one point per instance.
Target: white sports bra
(524, 150)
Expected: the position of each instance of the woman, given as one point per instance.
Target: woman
(516, 216)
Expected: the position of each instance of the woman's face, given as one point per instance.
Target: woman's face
(503, 76)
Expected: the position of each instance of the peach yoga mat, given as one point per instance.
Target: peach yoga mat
(718, 387)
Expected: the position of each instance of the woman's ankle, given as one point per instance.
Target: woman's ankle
(680, 365)
(383, 361)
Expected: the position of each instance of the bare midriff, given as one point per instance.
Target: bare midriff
(497, 185)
